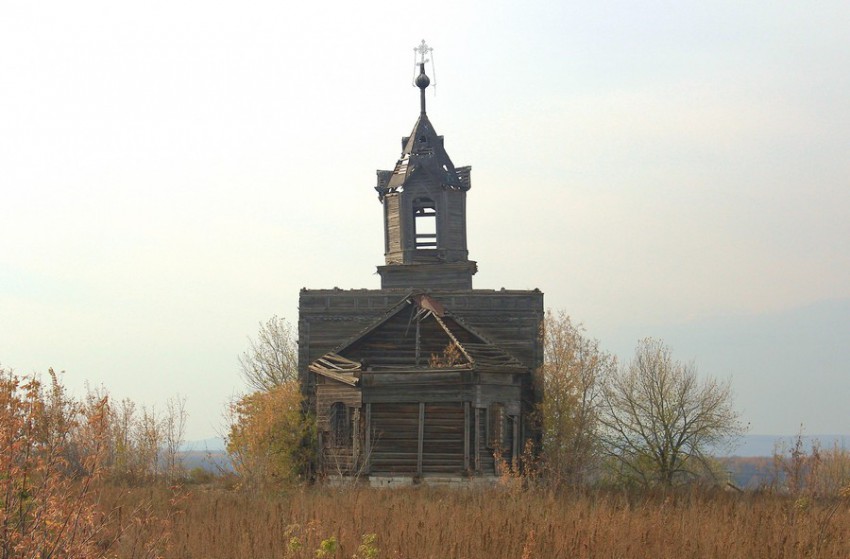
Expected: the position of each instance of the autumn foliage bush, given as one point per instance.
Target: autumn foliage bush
(270, 439)
(51, 453)
(55, 495)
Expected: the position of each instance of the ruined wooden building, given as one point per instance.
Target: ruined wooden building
(425, 376)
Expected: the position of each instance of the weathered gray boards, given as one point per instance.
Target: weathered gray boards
(425, 375)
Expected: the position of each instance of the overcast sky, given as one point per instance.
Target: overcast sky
(172, 173)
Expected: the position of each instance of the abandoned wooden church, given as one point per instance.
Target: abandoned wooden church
(425, 377)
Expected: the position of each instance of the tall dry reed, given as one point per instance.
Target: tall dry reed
(442, 523)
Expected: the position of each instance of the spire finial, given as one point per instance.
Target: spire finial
(422, 80)
(422, 50)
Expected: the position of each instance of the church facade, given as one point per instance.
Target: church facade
(425, 376)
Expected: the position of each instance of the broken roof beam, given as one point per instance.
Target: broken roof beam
(454, 339)
(348, 379)
(339, 362)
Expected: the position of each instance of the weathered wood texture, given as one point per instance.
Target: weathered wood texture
(486, 460)
(417, 438)
(410, 409)
(338, 461)
(442, 450)
(331, 317)
(392, 238)
(330, 392)
(400, 229)
(425, 274)
(395, 438)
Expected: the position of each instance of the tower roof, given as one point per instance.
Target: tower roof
(423, 152)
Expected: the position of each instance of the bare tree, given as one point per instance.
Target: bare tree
(173, 431)
(149, 438)
(572, 374)
(271, 359)
(660, 421)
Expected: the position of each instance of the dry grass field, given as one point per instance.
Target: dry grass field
(435, 523)
(72, 487)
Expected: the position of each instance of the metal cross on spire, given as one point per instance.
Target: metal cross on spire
(422, 50)
(419, 60)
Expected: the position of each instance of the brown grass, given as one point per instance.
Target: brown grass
(432, 523)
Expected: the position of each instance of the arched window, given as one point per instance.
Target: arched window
(424, 223)
(339, 422)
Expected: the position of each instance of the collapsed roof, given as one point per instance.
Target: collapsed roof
(415, 334)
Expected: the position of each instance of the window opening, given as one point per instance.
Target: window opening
(424, 223)
(340, 434)
(496, 425)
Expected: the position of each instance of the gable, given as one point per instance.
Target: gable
(416, 333)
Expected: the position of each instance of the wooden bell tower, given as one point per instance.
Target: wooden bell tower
(424, 199)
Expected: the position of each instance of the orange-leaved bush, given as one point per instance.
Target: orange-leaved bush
(270, 439)
(51, 452)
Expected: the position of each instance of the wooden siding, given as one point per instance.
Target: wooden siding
(455, 226)
(425, 393)
(330, 317)
(486, 461)
(442, 449)
(485, 395)
(395, 438)
(433, 275)
(392, 232)
(417, 438)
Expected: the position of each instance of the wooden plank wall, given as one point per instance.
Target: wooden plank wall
(442, 450)
(486, 462)
(417, 392)
(429, 272)
(395, 439)
(417, 438)
(455, 226)
(392, 232)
